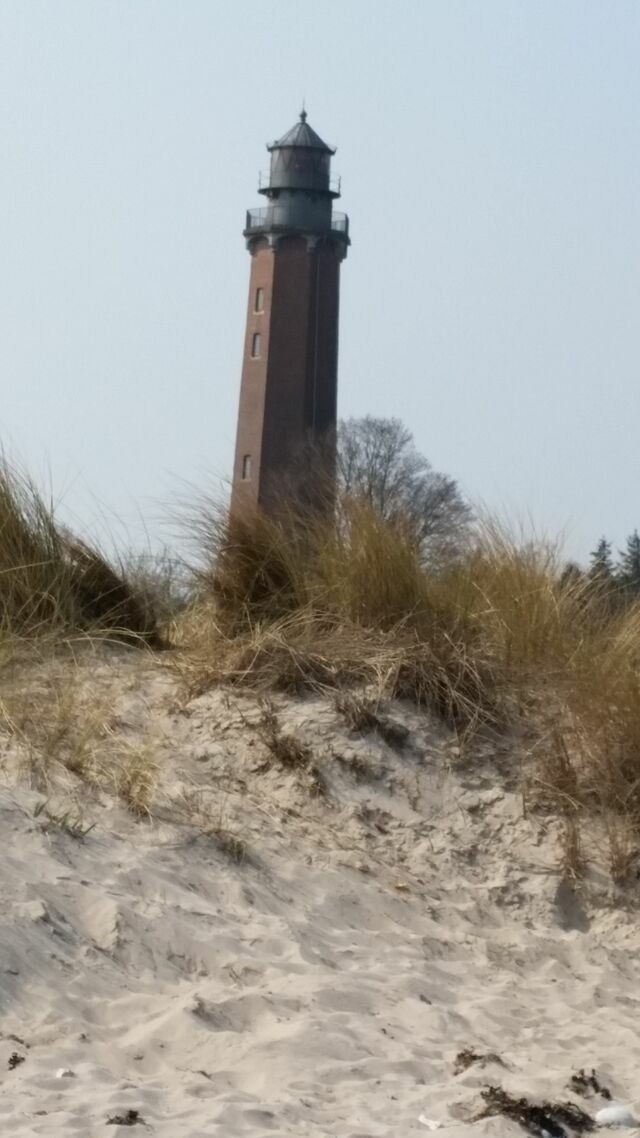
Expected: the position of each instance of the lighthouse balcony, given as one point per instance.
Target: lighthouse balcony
(270, 220)
(299, 178)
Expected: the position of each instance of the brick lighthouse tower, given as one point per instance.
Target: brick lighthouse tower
(288, 392)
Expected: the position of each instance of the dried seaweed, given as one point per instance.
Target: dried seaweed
(467, 1057)
(539, 1119)
(129, 1118)
(582, 1084)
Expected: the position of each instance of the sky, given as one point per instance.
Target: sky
(491, 171)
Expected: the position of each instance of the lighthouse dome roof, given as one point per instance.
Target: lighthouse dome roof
(302, 135)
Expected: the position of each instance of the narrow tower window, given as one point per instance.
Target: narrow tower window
(255, 345)
(246, 468)
(259, 304)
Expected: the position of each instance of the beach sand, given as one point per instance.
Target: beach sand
(296, 952)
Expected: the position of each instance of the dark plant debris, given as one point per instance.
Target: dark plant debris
(358, 766)
(582, 1084)
(362, 716)
(288, 751)
(467, 1057)
(129, 1118)
(233, 846)
(536, 1118)
(318, 783)
(284, 748)
(15, 1060)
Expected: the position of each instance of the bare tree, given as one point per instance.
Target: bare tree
(378, 462)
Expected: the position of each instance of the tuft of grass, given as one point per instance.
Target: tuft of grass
(69, 821)
(57, 719)
(35, 576)
(230, 844)
(255, 575)
(363, 716)
(289, 752)
(359, 713)
(162, 583)
(52, 583)
(572, 856)
(284, 748)
(131, 770)
(53, 718)
(196, 807)
(106, 600)
(622, 847)
(358, 766)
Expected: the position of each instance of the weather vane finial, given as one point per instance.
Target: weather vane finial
(303, 113)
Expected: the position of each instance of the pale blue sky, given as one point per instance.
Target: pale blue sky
(489, 151)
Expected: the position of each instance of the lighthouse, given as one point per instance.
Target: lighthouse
(288, 390)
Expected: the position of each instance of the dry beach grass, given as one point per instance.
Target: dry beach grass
(498, 641)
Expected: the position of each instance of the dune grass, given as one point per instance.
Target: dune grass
(60, 728)
(496, 641)
(59, 597)
(311, 604)
(53, 584)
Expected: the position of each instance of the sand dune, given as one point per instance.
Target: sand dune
(386, 912)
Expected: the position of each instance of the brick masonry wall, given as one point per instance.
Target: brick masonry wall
(289, 394)
(254, 381)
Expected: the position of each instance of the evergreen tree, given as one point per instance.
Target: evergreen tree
(601, 568)
(571, 576)
(629, 566)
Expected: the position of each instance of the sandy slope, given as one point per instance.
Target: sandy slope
(322, 986)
